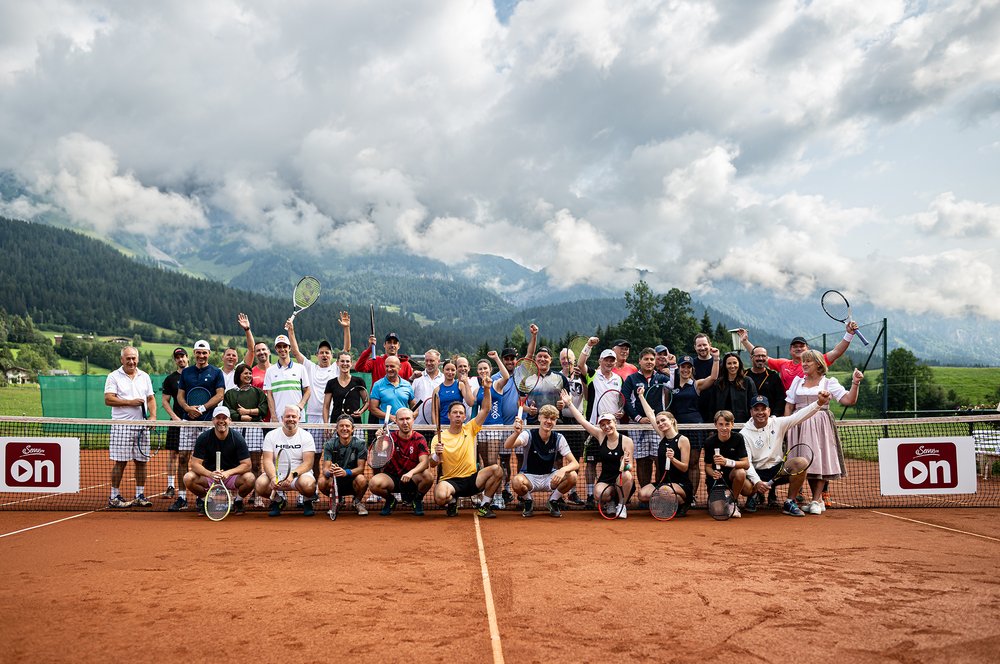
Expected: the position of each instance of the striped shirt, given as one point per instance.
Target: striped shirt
(286, 385)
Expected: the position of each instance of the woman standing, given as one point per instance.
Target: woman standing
(734, 391)
(247, 404)
(684, 406)
(819, 432)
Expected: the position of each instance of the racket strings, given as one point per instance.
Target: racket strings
(306, 292)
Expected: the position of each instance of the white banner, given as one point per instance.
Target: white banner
(927, 466)
(40, 465)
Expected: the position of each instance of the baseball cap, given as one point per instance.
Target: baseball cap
(607, 352)
(221, 410)
(622, 342)
(798, 340)
(392, 335)
(606, 416)
(282, 339)
(324, 344)
(661, 349)
(686, 360)
(543, 349)
(201, 344)
(178, 352)
(508, 352)
(760, 401)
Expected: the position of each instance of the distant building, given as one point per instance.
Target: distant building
(17, 375)
(58, 372)
(121, 341)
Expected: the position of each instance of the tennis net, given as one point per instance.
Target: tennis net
(33, 471)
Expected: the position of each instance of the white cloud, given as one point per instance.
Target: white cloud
(949, 217)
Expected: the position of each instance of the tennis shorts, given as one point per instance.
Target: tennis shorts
(407, 489)
(767, 474)
(540, 482)
(128, 442)
(345, 485)
(230, 481)
(464, 486)
(173, 438)
(254, 437)
(646, 442)
(188, 437)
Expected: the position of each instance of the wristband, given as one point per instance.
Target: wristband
(201, 409)
(435, 458)
(585, 351)
(849, 337)
(349, 472)
(730, 463)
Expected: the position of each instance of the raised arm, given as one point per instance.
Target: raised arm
(640, 394)
(244, 322)
(843, 344)
(708, 381)
(533, 342)
(290, 328)
(578, 416)
(487, 383)
(851, 397)
(504, 374)
(744, 339)
(345, 324)
(581, 362)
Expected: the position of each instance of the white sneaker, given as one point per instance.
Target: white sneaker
(360, 508)
(498, 503)
(736, 513)
(815, 507)
(822, 506)
(622, 512)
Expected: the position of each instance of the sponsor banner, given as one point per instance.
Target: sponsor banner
(927, 466)
(40, 465)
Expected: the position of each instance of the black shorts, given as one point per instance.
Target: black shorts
(173, 438)
(345, 485)
(464, 486)
(406, 489)
(575, 441)
(767, 474)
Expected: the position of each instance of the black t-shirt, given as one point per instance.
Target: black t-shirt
(734, 448)
(339, 393)
(769, 385)
(233, 448)
(169, 388)
(706, 400)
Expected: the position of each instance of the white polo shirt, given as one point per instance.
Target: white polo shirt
(602, 385)
(123, 386)
(286, 384)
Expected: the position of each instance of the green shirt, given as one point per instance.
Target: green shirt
(345, 456)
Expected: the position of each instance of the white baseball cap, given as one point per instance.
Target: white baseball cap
(221, 410)
(282, 339)
(201, 344)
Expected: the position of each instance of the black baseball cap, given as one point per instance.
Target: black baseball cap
(508, 352)
(324, 344)
(543, 349)
(760, 401)
(686, 360)
(622, 342)
(392, 335)
(798, 340)
(179, 352)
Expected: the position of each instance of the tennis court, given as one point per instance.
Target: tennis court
(859, 584)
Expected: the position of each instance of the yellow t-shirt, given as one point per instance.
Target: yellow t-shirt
(459, 458)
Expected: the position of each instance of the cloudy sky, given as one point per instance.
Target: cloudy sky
(797, 145)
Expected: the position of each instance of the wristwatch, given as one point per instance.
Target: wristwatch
(295, 474)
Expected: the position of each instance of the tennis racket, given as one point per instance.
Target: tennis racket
(146, 443)
(334, 497)
(371, 318)
(797, 460)
(198, 396)
(613, 497)
(720, 503)
(354, 401)
(218, 500)
(427, 410)
(659, 397)
(304, 295)
(525, 380)
(612, 401)
(838, 308)
(282, 470)
(663, 503)
(382, 447)
(577, 344)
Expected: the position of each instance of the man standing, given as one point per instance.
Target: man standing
(548, 389)
(285, 383)
(319, 373)
(790, 369)
(129, 392)
(646, 440)
(229, 360)
(622, 367)
(702, 363)
(258, 356)
(376, 365)
(174, 410)
(296, 444)
(406, 473)
(201, 376)
(424, 386)
(767, 381)
(392, 390)
(234, 471)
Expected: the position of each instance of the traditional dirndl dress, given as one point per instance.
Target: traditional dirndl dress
(818, 432)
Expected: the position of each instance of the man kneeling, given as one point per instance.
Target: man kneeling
(538, 472)
(406, 473)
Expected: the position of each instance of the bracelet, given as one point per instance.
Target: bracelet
(200, 409)
(849, 337)
(730, 463)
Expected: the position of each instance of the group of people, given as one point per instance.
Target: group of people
(489, 442)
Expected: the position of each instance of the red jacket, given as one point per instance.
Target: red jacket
(376, 366)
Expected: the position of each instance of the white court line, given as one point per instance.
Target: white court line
(933, 525)
(491, 612)
(50, 523)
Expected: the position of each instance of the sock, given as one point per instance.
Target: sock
(114, 492)
(486, 500)
(556, 495)
(170, 480)
(139, 490)
(590, 489)
(182, 494)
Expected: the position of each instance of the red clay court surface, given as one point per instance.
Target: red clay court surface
(855, 585)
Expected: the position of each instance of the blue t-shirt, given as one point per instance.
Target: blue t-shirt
(396, 396)
(447, 395)
(507, 402)
(495, 416)
(210, 378)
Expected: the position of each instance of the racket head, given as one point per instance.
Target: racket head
(141, 444)
(797, 460)
(720, 504)
(658, 397)
(577, 344)
(427, 410)
(381, 451)
(354, 400)
(663, 503)
(218, 502)
(612, 401)
(525, 376)
(306, 292)
(282, 465)
(836, 305)
(611, 499)
(198, 396)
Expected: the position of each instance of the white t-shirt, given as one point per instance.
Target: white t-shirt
(293, 446)
(229, 378)
(423, 390)
(123, 386)
(318, 378)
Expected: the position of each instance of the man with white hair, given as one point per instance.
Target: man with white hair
(129, 392)
(297, 443)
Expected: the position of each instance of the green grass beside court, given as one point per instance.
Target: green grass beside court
(20, 400)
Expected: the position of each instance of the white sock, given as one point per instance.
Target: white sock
(170, 480)
(486, 500)
(114, 492)
(590, 489)
(556, 495)
(182, 494)
(139, 490)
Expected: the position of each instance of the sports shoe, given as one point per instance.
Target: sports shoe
(574, 498)
(498, 503)
(622, 512)
(773, 504)
(682, 509)
(308, 508)
(178, 505)
(142, 501)
(390, 504)
(170, 492)
(800, 499)
(452, 508)
(118, 503)
(554, 509)
(418, 506)
(822, 506)
(507, 496)
(736, 512)
(238, 507)
(693, 504)
(589, 505)
(750, 506)
(815, 507)
(486, 512)
(276, 507)
(791, 509)
(360, 508)
(528, 508)
(199, 504)
(827, 503)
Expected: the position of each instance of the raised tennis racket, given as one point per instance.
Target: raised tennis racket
(612, 401)
(838, 308)
(577, 344)
(720, 503)
(371, 318)
(382, 447)
(198, 396)
(525, 380)
(282, 470)
(664, 502)
(796, 461)
(218, 500)
(304, 295)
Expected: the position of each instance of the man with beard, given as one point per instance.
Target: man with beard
(234, 471)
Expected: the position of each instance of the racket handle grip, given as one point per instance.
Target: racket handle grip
(715, 465)
(520, 415)
(858, 334)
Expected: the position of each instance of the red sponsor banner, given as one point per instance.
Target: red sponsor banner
(920, 466)
(40, 465)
